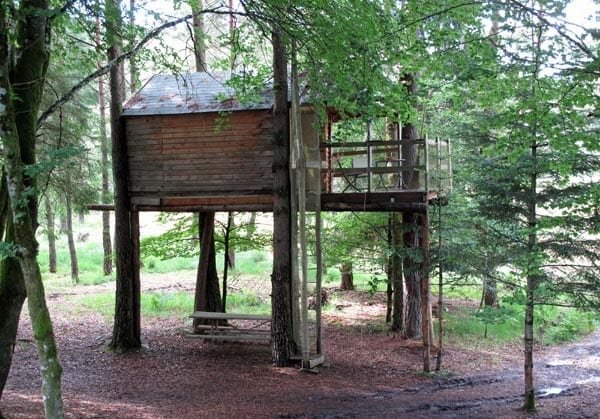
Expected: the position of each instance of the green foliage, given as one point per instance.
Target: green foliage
(357, 238)
(8, 250)
(247, 302)
(181, 239)
(152, 264)
(253, 262)
(167, 304)
(467, 326)
(160, 304)
(567, 326)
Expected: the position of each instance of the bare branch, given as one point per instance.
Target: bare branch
(561, 30)
(105, 69)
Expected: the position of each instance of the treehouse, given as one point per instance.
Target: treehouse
(194, 144)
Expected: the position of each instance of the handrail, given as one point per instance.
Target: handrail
(388, 176)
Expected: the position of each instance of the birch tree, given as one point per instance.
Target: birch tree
(22, 75)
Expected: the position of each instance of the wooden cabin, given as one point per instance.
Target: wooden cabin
(192, 145)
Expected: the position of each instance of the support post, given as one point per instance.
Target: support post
(136, 286)
(206, 222)
(125, 332)
(319, 279)
(425, 303)
(282, 337)
(369, 158)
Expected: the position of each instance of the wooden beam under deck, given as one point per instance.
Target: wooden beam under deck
(388, 201)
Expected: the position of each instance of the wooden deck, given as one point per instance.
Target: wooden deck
(386, 201)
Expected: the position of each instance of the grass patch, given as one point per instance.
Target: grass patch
(464, 328)
(565, 325)
(252, 262)
(163, 304)
(553, 325)
(247, 302)
(166, 304)
(152, 264)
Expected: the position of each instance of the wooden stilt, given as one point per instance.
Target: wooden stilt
(425, 303)
(206, 223)
(319, 279)
(136, 263)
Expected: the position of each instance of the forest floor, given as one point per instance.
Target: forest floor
(372, 373)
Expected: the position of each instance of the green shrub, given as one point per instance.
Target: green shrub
(567, 326)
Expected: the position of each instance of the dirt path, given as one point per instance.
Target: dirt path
(372, 374)
(567, 378)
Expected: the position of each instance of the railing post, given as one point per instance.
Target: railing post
(438, 147)
(426, 152)
(449, 165)
(369, 156)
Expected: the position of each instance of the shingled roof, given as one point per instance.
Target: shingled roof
(191, 93)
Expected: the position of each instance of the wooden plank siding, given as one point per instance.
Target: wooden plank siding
(199, 155)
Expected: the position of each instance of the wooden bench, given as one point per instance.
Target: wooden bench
(214, 329)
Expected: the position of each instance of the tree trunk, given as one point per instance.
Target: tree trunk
(396, 272)
(412, 277)
(251, 229)
(281, 280)
(347, 282)
(105, 167)
(133, 67)
(532, 283)
(440, 303)
(208, 295)
(425, 303)
(199, 37)
(70, 238)
(18, 124)
(126, 328)
(12, 296)
(410, 180)
(490, 295)
(230, 247)
(63, 224)
(226, 263)
(51, 235)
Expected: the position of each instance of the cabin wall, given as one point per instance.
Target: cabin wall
(199, 155)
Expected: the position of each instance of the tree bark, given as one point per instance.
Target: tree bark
(490, 295)
(410, 180)
(532, 283)
(51, 235)
(440, 302)
(226, 263)
(396, 272)
(425, 303)
(104, 162)
(133, 67)
(281, 279)
(208, 294)
(12, 297)
(18, 124)
(70, 238)
(230, 251)
(347, 282)
(412, 277)
(125, 335)
(199, 37)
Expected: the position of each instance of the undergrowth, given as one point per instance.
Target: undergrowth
(166, 304)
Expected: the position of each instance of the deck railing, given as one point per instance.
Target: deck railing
(379, 166)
